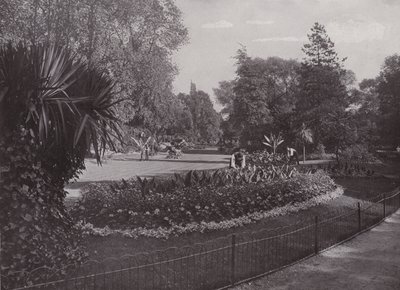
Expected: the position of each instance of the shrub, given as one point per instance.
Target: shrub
(36, 231)
(103, 205)
(265, 160)
(320, 154)
(320, 150)
(53, 107)
(340, 169)
(356, 154)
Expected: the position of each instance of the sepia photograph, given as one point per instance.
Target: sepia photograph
(199, 144)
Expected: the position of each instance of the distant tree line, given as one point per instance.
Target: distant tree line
(317, 96)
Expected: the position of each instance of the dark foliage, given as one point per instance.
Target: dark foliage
(53, 108)
(36, 230)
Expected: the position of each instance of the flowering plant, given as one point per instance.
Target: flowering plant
(176, 230)
(105, 205)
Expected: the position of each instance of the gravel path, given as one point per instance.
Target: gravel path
(369, 261)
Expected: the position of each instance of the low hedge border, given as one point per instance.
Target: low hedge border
(177, 230)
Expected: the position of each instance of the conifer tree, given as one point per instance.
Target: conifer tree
(321, 49)
(322, 92)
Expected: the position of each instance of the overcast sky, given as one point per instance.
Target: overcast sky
(364, 31)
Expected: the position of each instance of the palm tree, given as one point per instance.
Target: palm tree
(51, 92)
(306, 136)
(67, 107)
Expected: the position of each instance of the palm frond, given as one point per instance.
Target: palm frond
(58, 96)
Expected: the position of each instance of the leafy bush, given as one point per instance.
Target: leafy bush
(340, 169)
(265, 160)
(35, 227)
(102, 204)
(320, 150)
(357, 154)
(317, 156)
(320, 154)
(53, 107)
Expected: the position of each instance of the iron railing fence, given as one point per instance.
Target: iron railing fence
(224, 262)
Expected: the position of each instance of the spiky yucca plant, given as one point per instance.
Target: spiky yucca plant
(50, 91)
(53, 108)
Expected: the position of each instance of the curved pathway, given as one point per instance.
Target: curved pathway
(369, 261)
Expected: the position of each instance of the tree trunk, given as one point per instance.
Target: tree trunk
(304, 153)
(337, 154)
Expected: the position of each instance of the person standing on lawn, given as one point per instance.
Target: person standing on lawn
(146, 152)
(292, 154)
(238, 159)
(143, 146)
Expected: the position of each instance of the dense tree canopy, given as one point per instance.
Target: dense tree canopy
(225, 95)
(388, 89)
(264, 96)
(133, 40)
(323, 93)
(205, 120)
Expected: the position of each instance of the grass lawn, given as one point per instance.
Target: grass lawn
(129, 165)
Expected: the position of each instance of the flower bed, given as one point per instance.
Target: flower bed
(125, 208)
(176, 230)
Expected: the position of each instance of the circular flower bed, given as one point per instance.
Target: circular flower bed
(176, 230)
(104, 205)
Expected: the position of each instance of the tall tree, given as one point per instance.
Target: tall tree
(264, 94)
(388, 89)
(206, 121)
(322, 87)
(225, 96)
(365, 107)
(320, 51)
(132, 39)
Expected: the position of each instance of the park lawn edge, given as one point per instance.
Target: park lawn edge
(177, 230)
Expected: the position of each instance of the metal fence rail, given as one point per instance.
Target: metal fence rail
(224, 262)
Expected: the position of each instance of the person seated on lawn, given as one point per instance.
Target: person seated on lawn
(172, 149)
(238, 159)
(292, 154)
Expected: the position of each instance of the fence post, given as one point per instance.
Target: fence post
(384, 206)
(316, 236)
(233, 259)
(398, 194)
(359, 216)
(0, 258)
